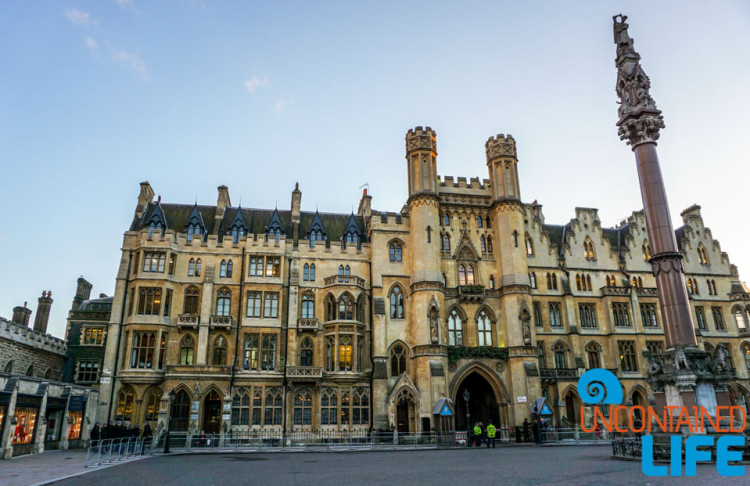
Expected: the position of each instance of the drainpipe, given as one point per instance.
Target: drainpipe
(119, 336)
(372, 349)
(239, 321)
(285, 332)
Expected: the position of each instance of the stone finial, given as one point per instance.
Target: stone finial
(639, 119)
(421, 139)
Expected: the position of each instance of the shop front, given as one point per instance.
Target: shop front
(76, 409)
(24, 423)
(54, 416)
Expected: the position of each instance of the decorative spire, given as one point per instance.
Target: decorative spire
(639, 119)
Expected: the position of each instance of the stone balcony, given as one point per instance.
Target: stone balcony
(188, 320)
(646, 292)
(220, 322)
(616, 291)
(303, 373)
(344, 280)
(471, 293)
(307, 324)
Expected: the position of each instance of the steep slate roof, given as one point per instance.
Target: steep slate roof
(256, 220)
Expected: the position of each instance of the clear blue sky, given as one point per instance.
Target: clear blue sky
(100, 95)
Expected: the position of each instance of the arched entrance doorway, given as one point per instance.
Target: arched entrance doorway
(180, 412)
(483, 404)
(572, 404)
(212, 413)
(405, 419)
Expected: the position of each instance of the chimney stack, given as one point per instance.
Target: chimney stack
(42, 312)
(83, 292)
(21, 315)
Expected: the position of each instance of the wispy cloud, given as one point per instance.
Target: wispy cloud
(255, 82)
(198, 6)
(79, 17)
(128, 4)
(133, 62)
(92, 46)
(281, 105)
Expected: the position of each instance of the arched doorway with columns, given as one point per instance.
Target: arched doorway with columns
(487, 397)
(212, 413)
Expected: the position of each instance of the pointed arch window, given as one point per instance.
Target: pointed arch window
(479, 221)
(588, 283)
(223, 269)
(690, 288)
(191, 300)
(646, 251)
(187, 351)
(312, 272)
(489, 245)
(465, 274)
(702, 255)
(143, 349)
(330, 343)
(560, 352)
(588, 250)
(484, 329)
(345, 353)
(308, 306)
(152, 405)
(198, 267)
(515, 238)
(346, 307)
(445, 242)
(9, 367)
(329, 400)
(578, 281)
(593, 353)
(341, 270)
(306, 352)
(397, 303)
(180, 411)
(347, 271)
(149, 301)
(492, 282)
(306, 272)
(488, 221)
(219, 357)
(446, 220)
(394, 251)
(532, 279)
(455, 329)
(429, 235)
(303, 407)
(223, 302)
(529, 246)
(330, 305)
(191, 268)
(746, 354)
(483, 244)
(125, 400)
(740, 318)
(398, 360)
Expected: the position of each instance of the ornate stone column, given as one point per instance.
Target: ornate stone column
(686, 375)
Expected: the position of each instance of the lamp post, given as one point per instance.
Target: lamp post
(169, 419)
(468, 421)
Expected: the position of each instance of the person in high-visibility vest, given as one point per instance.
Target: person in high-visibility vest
(491, 430)
(477, 435)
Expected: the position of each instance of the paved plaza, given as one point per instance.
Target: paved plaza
(527, 465)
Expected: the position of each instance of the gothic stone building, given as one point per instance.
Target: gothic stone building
(261, 319)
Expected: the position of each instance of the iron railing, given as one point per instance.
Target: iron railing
(108, 451)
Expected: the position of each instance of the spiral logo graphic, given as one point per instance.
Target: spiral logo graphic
(600, 386)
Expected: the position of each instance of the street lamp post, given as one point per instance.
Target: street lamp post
(468, 416)
(169, 420)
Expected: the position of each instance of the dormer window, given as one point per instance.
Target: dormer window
(192, 230)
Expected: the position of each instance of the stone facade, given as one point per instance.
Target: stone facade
(28, 352)
(86, 336)
(335, 321)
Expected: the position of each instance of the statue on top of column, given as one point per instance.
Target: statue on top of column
(639, 119)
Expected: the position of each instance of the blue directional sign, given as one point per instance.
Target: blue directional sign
(446, 411)
(546, 410)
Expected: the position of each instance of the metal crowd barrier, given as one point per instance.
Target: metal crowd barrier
(108, 451)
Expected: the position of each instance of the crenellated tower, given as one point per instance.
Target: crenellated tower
(512, 267)
(426, 299)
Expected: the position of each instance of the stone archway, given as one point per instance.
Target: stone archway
(572, 408)
(405, 408)
(212, 413)
(483, 403)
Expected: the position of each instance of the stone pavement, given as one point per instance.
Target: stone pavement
(35, 469)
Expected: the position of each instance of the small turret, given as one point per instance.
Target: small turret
(42, 312)
(502, 162)
(83, 292)
(421, 155)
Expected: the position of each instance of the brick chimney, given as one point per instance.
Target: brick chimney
(21, 315)
(42, 312)
(83, 292)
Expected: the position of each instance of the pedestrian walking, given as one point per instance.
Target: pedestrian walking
(491, 430)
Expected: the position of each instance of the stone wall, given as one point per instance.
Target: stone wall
(21, 348)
